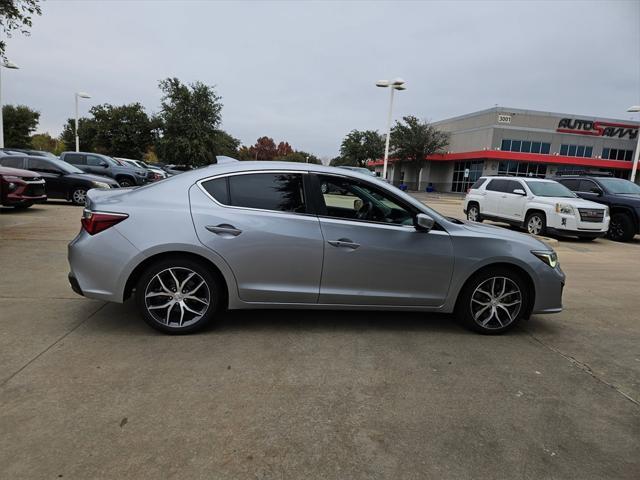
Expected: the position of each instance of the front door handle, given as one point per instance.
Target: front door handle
(344, 242)
(224, 229)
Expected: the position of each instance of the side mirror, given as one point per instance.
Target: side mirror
(519, 191)
(103, 164)
(423, 222)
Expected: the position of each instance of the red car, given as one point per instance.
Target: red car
(20, 188)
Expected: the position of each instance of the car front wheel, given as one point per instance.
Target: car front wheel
(621, 228)
(473, 214)
(493, 301)
(177, 296)
(125, 182)
(536, 223)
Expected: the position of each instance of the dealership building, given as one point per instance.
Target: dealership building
(508, 141)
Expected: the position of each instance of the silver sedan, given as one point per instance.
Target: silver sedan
(246, 235)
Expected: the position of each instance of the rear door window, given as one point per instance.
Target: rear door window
(498, 185)
(75, 159)
(280, 192)
(13, 162)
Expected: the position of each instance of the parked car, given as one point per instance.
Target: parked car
(539, 205)
(125, 175)
(622, 197)
(245, 235)
(62, 180)
(156, 172)
(20, 188)
(28, 151)
(172, 169)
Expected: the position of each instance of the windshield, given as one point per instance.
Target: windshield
(64, 166)
(619, 186)
(550, 189)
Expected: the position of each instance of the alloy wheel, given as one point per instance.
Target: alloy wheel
(79, 196)
(472, 214)
(177, 297)
(496, 303)
(534, 226)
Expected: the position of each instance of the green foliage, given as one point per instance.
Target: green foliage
(46, 143)
(190, 116)
(226, 144)
(19, 123)
(360, 146)
(342, 161)
(16, 15)
(300, 157)
(121, 131)
(412, 140)
(87, 130)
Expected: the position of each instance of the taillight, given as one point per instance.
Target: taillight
(96, 222)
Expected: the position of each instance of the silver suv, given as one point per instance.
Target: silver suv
(125, 175)
(246, 235)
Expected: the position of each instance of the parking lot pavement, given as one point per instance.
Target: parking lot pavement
(88, 391)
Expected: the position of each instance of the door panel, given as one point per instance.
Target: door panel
(275, 256)
(512, 205)
(389, 265)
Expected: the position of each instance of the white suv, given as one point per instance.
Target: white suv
(541, 206)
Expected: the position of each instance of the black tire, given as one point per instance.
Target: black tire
(79, 196)
(125, 182)
(475, 213)
(466, 310)
(621, 228)
(181, 268)
(542, 222)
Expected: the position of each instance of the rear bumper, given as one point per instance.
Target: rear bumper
(75, 286)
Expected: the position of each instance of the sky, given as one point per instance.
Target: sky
(305, 72)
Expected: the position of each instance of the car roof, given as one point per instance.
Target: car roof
(512, 177)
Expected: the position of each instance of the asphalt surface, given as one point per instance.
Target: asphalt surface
(87, 390)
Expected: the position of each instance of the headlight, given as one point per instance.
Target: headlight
(565, 209)
(11, 178)
(101, 185)
(547, 256)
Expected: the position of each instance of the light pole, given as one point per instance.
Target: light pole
(397, 84)
(79, 95)
(12, 66)
(635, 108)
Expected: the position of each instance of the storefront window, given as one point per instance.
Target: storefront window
(522, 169)
(462, 184)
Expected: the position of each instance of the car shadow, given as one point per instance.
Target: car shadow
(116, 318)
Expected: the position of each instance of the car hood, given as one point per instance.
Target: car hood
(93, 178)
(17, 172)
(506, 234)
(574, 202)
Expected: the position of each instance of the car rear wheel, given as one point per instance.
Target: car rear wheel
(79, 196)
(178, 296)
(493, 301)
(621, 228)
(473, 213)
(536, 223)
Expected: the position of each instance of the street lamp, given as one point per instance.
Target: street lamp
(397, 84)
(79, 95)
(12, 66)
(635, 108)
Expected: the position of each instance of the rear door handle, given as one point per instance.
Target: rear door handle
(224, 229)
(344, 242)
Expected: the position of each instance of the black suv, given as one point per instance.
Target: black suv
(621, 196)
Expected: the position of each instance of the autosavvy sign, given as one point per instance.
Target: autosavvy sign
(597, 129)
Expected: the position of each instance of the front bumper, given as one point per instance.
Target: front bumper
(549, 289)
(572, 225)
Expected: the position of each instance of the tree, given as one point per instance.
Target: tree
(19, 123)
(264, 149)
(226, 144)
(190, 116)
(86, 131)
(299, 156)
(16, 15)
(46, 143)
(122, 131)
(412, 140)
(244, 153)
(342, 161)
(283, 149)
(360, 146)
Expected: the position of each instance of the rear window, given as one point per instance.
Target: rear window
(479, 183)
(283, 192)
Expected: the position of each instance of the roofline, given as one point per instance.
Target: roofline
(540, 113)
